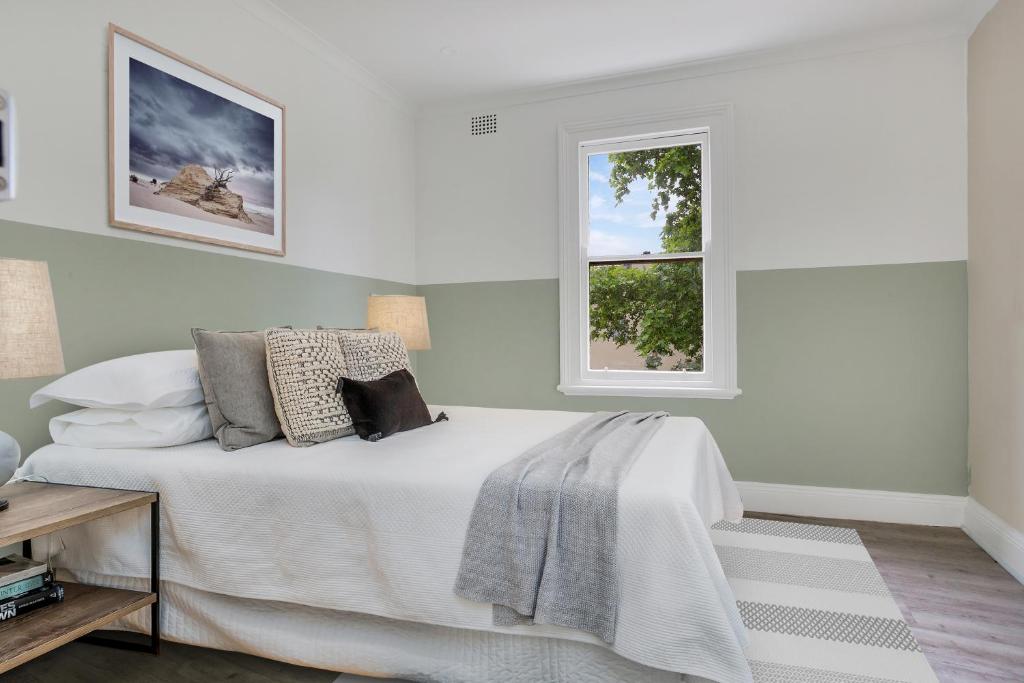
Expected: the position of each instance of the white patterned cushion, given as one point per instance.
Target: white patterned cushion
(304, 367)
(371, 355)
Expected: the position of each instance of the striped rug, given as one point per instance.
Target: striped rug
(815, 606)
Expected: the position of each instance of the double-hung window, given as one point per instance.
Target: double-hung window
(647, 286)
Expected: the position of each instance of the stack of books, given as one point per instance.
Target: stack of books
(25, 585)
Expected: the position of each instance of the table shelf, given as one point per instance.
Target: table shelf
(37, 509)
(84, 609)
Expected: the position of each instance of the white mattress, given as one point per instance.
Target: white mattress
(377, 528)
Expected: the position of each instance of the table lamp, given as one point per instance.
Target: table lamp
(29, 338)
(406, 315)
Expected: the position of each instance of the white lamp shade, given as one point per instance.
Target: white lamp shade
(406, 315)
(29, 338)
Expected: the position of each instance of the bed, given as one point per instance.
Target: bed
(343, 555)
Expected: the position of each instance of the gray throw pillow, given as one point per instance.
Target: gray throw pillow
(233, 371)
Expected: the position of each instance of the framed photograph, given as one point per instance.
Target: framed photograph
(192, 154)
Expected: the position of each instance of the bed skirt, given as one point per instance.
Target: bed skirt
(374, 646)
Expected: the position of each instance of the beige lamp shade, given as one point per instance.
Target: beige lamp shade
(29, 338)
(406, 315)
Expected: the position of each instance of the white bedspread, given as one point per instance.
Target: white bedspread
(378, 528)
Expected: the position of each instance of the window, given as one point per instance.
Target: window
(647, 288)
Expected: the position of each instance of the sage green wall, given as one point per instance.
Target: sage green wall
(852, 377)
(116, 297)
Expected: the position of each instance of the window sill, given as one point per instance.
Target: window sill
(648, 392)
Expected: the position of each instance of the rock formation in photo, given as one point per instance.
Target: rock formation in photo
(193, 185)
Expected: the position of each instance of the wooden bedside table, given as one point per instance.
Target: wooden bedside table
(38, 509)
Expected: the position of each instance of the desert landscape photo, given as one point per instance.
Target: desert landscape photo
(193, 153)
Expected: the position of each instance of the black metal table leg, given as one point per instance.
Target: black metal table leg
(154, 575)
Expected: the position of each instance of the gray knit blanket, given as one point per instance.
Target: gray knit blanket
(541, 544)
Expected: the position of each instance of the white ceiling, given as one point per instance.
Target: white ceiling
(436, 50)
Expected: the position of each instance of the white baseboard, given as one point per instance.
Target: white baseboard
(872, 506)
(1000, 540)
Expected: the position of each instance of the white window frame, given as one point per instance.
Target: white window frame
(712, 128)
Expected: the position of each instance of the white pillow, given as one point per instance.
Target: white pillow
(163, 379)
(106, 428)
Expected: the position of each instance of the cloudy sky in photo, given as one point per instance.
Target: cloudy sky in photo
(173, 123)
(626, 229)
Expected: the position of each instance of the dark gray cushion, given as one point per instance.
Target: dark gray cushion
(233, 370)
(385, 406)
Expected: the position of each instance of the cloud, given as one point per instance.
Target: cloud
(599, 177)
(173, 123)
(629, 221)
(606, 216)
(604, 243)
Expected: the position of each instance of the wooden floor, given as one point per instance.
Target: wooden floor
(79, 663)
(966, 611)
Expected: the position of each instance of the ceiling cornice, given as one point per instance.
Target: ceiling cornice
(698, 69)
(271, 14)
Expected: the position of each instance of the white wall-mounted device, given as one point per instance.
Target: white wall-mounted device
(7, 151)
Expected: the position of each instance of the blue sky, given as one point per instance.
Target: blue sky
(625, 229)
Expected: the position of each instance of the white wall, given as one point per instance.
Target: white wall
(350, 141)
(846, 160)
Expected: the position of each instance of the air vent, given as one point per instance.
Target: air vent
(483, 124)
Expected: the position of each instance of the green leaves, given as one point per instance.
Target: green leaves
(674, 177)
(656, 308)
